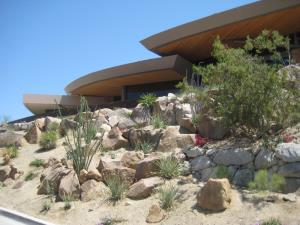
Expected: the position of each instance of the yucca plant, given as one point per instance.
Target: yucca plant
(158, 122)
(169, 167)
(82, 143)
(147, 100)
(168, 194)
(144, 146)
(116, 186)
(48, 140)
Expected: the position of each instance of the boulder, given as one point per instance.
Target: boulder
(242, 177)
(215, 195)
(105, 111)
(146, 134)
(288, 152)
(123, 123)
(183, 111)
(144, 187)
(155, 214)
(237, 156)
(89, 175)
(15, 173)
(11, 138)
(40, 123)
(187, 124)
(126, 174)
(147, 167)
(131, 159)
(33, 135)
(67, 124)
(105, 127)
(193, 152)
(291, 185)
(114, 140)
(69, 186)
(92, 189)
(172, 139)
(212, 128)
(50, 120)
(208, 173)
(160, 105)
(265, 159)
(200, 163)
(51, 177)
(290, 170)
(141, 115)
(169, 115)
(4, 173)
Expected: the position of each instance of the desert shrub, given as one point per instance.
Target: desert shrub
(46, 206)
(30, 176)
(168, 194)
(158, 122)
(10, 152)
(67, 199)
(144, 146)
(83, 142)
(264, 181)
(169, 167)
(37, 163)
(48, 140)
(244, 88)
(147, 100)
(222, 172)
(272, 221)
(53, 127)
(116, 186)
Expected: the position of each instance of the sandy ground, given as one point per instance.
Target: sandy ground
(241, 212)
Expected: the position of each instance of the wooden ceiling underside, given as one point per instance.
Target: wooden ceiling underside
(198, 47)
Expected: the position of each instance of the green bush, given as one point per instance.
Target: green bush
(169, 167)
(30, 176)
(144, 146)
(147, 100)
(244, 89)
(46, 206)
(54, 127)
(158, 122)
(264, 181)
(11, 152)
(83, 142)
(272, 221)
(37, 163)
(67, 199)
(48, 140)
(168, 194)
(117, 188)
(222, 172)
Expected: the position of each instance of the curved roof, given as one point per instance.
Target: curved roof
(109, 82)
(193, 40)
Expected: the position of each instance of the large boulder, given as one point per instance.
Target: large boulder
(67, 124)
(215, 195)
(147, 167)
(114, 139)
(40, 122)
(51, 177)
(91, 190)
(141, 115)
(69, 186)
(184, 117)
(160, 105)
(155, 214)
(89, 175)
(290, 170)
(131, 159)
(4, 173)
(107, 162)
(11, 138)
(243, 177)
(212, 128)
(127, 175)
(291, 185)
(288, 152)
(144, 187)
(265, 159)
(122, 122)
(51, 120)
(233, 156)
(146, 134)
(172, 139)
(200, 163)
(33, 135)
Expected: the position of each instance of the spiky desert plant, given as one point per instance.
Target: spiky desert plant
(158, 122)
(168, 194)
(144, 146)
(147, 100)
(169, 167)
(10, 152)
(30, 176)
(272, 221)
(116, 186)
(83, 142)
(67, 199)
(37, 163)
(48, 140)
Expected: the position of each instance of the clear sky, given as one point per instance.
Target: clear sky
(44, 45)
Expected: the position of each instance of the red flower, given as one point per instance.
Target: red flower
(200, 141)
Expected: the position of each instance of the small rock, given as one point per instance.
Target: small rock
(143, 188)
(289, 197)
(155, 214)
(200, 163)
(194, 152)
(147, 167)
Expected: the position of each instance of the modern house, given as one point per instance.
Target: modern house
(178, 49)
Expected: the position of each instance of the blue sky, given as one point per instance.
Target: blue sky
(44, 45)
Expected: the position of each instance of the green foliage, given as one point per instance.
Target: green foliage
(264, 181)
(37, 163)
(272, 221)
(243, 88)
(46, 206)
(117, 187)
(67, 199)
(82, 143)
(147, 100)
(11, 152)
(54, 127)
(169, 167)
(168, 194)
(222, 172)
(145, 146)
(158, 122)
(30, 176)
(48, 140)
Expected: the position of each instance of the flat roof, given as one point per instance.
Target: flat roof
(109, 82)
(193, 40)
